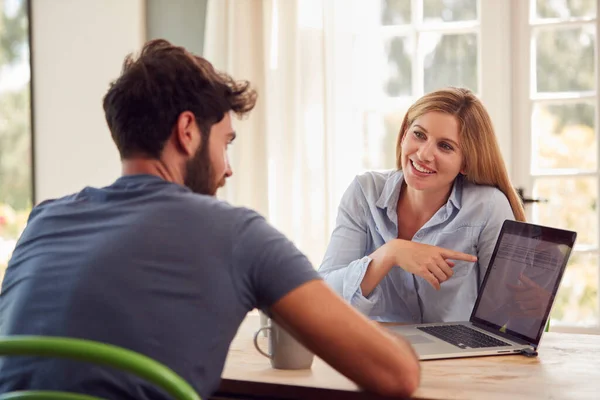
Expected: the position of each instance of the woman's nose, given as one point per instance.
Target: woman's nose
(425, 152)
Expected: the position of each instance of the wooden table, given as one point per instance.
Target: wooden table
(568, 367)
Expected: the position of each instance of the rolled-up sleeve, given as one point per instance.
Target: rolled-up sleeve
(345, 262)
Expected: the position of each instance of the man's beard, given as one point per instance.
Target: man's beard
(199, 175)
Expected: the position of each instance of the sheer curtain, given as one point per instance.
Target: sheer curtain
(301, 146)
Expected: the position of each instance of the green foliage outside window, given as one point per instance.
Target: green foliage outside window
(15, 125)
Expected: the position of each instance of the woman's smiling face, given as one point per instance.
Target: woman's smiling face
(431, 156)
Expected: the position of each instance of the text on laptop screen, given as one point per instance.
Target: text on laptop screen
(521, 284)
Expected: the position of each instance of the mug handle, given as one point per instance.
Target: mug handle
(256, 341)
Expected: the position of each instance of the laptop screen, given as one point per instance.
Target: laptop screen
(522, 279)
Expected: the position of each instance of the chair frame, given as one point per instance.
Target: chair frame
(97, 353)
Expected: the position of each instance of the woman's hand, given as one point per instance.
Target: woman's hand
(432, 263)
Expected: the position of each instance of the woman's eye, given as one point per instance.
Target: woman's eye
(419, 135)
(446, 146)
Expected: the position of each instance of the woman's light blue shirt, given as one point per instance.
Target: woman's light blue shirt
(469, 222)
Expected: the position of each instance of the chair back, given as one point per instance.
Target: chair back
(93, 352)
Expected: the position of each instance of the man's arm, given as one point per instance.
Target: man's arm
(359, 349)
(273, 274)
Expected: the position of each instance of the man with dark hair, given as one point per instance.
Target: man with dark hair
(155, 263)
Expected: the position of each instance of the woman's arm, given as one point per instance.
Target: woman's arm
(355, 274)
(496, 302)
(346, 263)
(499, 211)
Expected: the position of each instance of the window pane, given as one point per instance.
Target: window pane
(563, 136)
(450, 60)
(15, 130)
(572, 204)
(449, 10)
(565, 8)
(398, 71)
(577, 299)
(395, 12)
(565, 59)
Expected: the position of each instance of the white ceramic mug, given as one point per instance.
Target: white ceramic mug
(264, 322)
(285, 351)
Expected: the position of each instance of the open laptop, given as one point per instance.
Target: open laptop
(514, 300)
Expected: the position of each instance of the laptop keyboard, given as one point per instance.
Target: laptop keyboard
(462, 336)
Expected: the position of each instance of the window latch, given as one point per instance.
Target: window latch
(529, 200)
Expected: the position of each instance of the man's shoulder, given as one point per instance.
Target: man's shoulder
(51, 203)
(211, 206)
(172, 200)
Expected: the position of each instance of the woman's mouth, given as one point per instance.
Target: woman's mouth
(420, 168)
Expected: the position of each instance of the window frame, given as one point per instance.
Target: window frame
(524, 98)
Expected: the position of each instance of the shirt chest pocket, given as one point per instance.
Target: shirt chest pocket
(464, 240)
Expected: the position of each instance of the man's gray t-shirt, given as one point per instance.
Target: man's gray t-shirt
(147, 265)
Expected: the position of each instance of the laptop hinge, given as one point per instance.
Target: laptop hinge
(529, 352)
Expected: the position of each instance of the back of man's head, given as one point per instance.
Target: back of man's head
(143, 104)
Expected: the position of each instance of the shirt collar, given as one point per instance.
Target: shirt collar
(457, 189)
(391, 190)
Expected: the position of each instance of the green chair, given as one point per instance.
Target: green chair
(93, 352)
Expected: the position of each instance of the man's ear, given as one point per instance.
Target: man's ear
(187, 135)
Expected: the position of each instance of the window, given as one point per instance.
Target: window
(15, 125)
(409, 48)
(534, 65)
(556, 139)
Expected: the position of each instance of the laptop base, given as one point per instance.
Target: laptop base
(429, 347)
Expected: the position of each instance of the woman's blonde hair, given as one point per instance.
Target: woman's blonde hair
(483, 163)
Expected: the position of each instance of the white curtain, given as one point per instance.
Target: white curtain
(302, 145)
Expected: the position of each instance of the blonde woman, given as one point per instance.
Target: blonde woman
(412, 244)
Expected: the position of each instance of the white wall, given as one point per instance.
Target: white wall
(78, 47)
